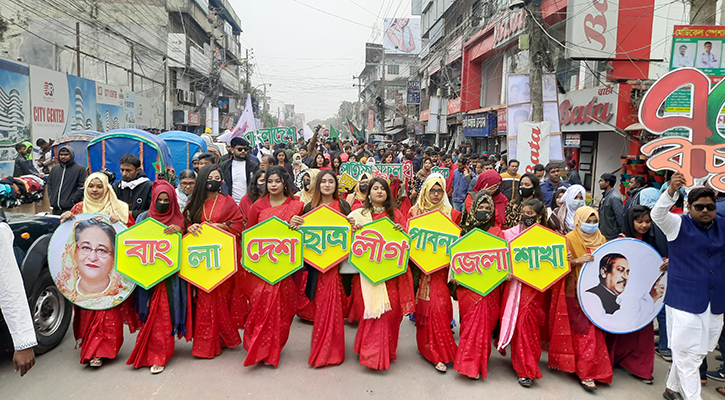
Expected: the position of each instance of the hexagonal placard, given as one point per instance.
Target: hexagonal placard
(208, 259)
(271, 250)
(480, 261)
(327, 236)
(147, 255)
(380, 252)
(538, 257)
(431, 237)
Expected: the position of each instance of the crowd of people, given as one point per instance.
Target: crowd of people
(250, 184)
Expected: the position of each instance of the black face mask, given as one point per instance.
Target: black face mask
(483, 216)
(213, 186)
(162, 207)
(363, 187)
(526, 191)
(306, 185)
(260, 187)
(528, 220)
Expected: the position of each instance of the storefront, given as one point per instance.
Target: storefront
(480, 129)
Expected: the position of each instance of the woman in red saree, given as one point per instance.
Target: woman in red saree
(100, 332)
(162, 310)
(591, 357)
(377, 334)
(255, 190)
(272, 307)
(479, 314)
(434, 308)
(215, 325)
(523, 315)
(328, 297)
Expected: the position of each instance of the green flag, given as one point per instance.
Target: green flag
(333, 133)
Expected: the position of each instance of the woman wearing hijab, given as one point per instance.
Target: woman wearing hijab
(162, 310)
(634, 351)
(528, 188)
(298, 167)
(307, 185)
(328, 295)
(434, 309)
(377, 334)
(523, 314)
(584, 350)
(491, 182)
(215, 325)
(100, 332)
(187, 180)
(356, 199)
(273, 307)
(573, 200)
(479, 314)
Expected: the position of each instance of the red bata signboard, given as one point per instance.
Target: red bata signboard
(581, 110)
(508, 28)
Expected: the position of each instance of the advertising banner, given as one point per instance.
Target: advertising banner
(539, 257)
(15, 112)
(431, 237)
(379, 251)
(402, 35)
(110, 105)
(271, 250)
(623, 289)
(208, 259)
(81, 258)
(327, 237)
(129, 109)
(49, 99)
(144, 113)
(413, 93)
(150, 255)
(83, 115)
(591, 29)
(480, 261)
(533, 145)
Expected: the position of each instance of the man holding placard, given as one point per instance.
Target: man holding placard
(693, 305)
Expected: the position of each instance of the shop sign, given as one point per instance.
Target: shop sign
(572, 140)
(580, 110)
(424, 115)
(454, 106)
(502, 118)
(194, 118)
(592, 29)
(508, 27)
(413, 92)
(479, 125)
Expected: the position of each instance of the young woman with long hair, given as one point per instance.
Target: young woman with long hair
(215, 324)
(328, 294)
(321, 162)
(434, 309)
(417, 182)
(336, 163)
(273, 307)
(377, 335)
(255, 190)
(528, 188)
(100, 332)
(478, 314)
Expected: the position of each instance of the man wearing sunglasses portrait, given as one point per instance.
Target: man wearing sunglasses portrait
(694, 302)
(238, 171)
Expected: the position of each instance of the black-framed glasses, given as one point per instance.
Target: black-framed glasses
(436, 191)
(700, 207)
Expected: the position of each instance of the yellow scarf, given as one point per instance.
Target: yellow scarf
(108, 204)
(424, 204)
(579, 243)
(359, 195)
(307, 195)
(375, 297)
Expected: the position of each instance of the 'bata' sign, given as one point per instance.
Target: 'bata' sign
(533, 144)
(508, 28)
(592, 28)
(580, 110)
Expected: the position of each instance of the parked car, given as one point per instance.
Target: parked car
(51, 311)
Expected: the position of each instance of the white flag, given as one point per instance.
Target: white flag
(307, 131)
(244, 125)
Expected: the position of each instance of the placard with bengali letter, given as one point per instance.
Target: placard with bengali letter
(379, 251)
(480, 261)
(431, 237)
(538, 257)
(146, 255)
(327, 237)
(271, 250)
(356, 169)
(208, 259)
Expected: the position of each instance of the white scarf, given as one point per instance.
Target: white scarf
(132, 185)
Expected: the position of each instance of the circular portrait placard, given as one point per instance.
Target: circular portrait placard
(623, 289)
(81, 261)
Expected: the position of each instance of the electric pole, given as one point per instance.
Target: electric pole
(246, 67)
(536, 60)
(385, 95)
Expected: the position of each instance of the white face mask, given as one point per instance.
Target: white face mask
(576, 204)
(589, 228)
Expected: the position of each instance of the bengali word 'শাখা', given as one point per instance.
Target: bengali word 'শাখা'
(535, 255)
(468, 262)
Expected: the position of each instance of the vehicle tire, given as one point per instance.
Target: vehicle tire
(52, 313)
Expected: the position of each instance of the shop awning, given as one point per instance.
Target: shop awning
(486, 109)
(393, 131)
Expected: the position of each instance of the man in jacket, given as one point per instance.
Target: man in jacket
(237, 172)
(510, 180)
(611, 211)
(22, 166)
(134, 187)
(65, 183)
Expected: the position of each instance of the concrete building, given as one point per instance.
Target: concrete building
(11, 114)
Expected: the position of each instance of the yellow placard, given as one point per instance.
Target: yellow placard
(347, 182)
(146, 255)
(208, 259)
(271, 250)
(431, 237)
(379, 251)
(539, 257)
(480, 261)
(327, 235)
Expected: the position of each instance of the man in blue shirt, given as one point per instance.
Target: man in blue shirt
(552, 182)
(461, 180)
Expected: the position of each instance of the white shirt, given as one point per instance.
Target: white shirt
(708, 60)
(13, 302)
(668, 222)
(239, 180)
(682, 61)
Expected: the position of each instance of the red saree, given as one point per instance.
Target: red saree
(273, 307)
(155, 341)
(526, 340)
(219, 314)
(328, 330)
(634, 351)
(479, 317)
(377, 339)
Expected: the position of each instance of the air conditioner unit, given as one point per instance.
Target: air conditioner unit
(189, 96)
(180, 96)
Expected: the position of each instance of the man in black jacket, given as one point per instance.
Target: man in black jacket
(22, 166)
(65, 183)
(237, 172)
(134, 187)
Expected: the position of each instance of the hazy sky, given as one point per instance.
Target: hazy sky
(309, 56)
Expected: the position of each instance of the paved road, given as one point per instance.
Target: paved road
(58, 375)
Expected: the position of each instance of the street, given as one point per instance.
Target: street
(58, 374)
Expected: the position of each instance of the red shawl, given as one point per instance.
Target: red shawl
(490, 178)
(173, 215)
(225, 211)
(262, 209)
